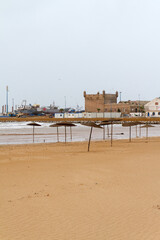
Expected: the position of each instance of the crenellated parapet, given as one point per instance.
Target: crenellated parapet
(96, 102)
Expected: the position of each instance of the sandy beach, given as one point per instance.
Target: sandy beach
(60, 191)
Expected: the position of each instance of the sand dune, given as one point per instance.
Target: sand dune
(61, 192)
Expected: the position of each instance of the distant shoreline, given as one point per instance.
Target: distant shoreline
(52, 119)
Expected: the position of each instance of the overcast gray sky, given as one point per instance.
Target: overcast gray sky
(55, 48)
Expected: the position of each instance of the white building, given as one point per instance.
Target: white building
(88, 115)
(59, 115)
(152, 108)
(102, 115)
(68, 115)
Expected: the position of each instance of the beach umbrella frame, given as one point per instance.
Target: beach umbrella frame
(65, 125)
(34, 124)
(92, 125)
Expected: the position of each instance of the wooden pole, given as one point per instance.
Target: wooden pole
(90, 138)
(65, 135)
(136, 131)
(108, 130)
(140, 130)
(147, 133)
(129, 133)
(57, 135)
(104, 132)
(111, 134)
(71, 133)
(33, 134)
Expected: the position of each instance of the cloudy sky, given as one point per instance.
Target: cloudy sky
(56, 48)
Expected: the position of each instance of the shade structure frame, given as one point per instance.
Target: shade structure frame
(34, 124)
(65, 125)
(147, 125)
(107, 123)
(92, 125)
(130, 125)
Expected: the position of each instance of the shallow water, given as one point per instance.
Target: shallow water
(20, 133)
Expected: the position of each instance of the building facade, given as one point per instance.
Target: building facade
(128, 107)
(152, 108)
(99, 102)
(108, 103)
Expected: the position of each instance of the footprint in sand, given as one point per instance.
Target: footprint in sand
(157, 207)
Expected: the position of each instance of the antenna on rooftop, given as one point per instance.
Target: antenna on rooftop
(65, 101)
(139, 103)
(6, 99)
(120, 96)
(12, 104)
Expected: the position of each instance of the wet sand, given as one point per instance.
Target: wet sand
(62, 192)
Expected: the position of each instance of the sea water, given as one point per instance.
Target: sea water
(21, 133)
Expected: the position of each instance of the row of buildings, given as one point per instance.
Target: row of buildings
(108, 103)
(100, 105)
(152, 108)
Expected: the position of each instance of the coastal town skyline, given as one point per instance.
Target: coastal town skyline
(10, 105)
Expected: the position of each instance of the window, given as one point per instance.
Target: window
(153, 113)
(158, 113)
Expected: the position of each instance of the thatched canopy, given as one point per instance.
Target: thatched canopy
(108, 122)
(34, 124)
(105, 123)
(63, 124)
(91, 124)
(147, 126)
(130, 124)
